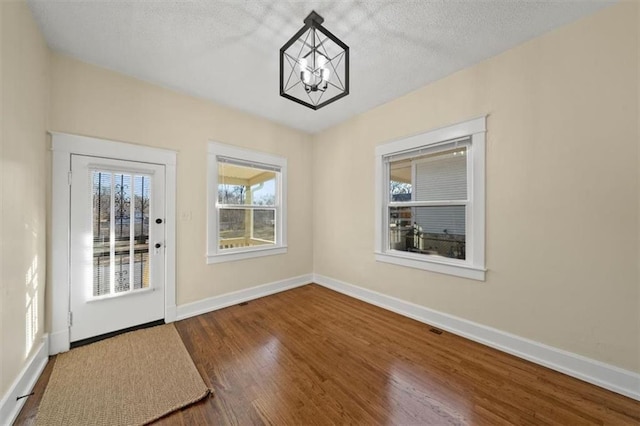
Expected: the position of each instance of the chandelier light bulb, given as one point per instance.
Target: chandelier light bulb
(306, 76)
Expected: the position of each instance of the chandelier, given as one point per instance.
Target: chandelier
(314, 65)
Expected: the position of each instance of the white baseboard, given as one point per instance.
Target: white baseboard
(607, 376)
(59, 341)
(10, 406)
(218, 302)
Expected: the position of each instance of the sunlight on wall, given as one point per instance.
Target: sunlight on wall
(31, 295)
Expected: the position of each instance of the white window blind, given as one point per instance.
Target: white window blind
(441, 219)
(251, 164)
(442, 176)
(425, 150)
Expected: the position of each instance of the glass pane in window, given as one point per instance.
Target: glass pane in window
(264, 226)
(246, 185)
(246, 227)
(441, 175)
(436, 231)
(232, 223)
(264, 192)
(400, 181)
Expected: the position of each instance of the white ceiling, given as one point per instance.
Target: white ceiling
(227, 51)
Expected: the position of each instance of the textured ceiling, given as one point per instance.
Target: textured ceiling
(227, 51)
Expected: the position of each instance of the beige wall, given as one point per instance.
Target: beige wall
(92, 101)
(24, 99)
(638, 148)
(562, 190)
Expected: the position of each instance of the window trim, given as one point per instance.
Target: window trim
(474, 266)
(243, 155)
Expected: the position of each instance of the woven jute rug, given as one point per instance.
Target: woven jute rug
(131, 379)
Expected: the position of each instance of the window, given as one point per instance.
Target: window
(246, 204)
(430, 200)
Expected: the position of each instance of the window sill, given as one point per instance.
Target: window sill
(464, 271)
(247, 254)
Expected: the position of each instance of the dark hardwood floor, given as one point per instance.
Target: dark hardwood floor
(312, 356)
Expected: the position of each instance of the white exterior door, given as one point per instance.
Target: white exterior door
(117, 239)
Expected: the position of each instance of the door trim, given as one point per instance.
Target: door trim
(63, 145)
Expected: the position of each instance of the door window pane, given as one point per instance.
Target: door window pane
(101, 194)
(120, 219)
(141, 191)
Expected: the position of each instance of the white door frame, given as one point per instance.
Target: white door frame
(63, 146)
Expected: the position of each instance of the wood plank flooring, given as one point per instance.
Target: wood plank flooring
(310, 356)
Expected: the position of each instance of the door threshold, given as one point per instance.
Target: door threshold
(94, 339)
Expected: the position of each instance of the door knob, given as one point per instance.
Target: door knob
(158, 220)
(158, 245)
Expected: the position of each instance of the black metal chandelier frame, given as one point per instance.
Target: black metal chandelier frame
(314, 41)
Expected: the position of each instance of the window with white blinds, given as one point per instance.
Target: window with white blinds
(246, 204)
(442, 175)
(431, 207)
